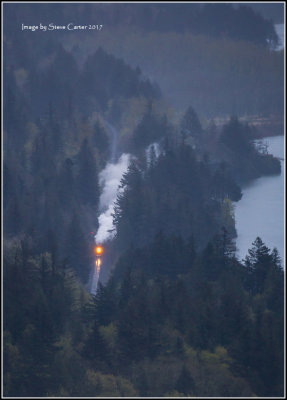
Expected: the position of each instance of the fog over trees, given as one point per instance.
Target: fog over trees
(172, 97)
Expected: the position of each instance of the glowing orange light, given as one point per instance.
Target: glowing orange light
(98, 262)
(99, 250)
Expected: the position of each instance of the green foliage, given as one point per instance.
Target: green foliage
(176, 194)
(260, 264)
(214, 328)
(185, 383)
(237, 137)
(106, 385)
(158, 314)
(180, 316)
(200, 67)
(190, 124)
(78, 250)
(109, 77)
(245, 160)
(149, 130)
(40, 304)
(87, 179)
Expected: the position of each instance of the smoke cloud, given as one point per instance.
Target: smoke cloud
(110, 178)
(153, 149)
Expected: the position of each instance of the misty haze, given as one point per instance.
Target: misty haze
(143, 200)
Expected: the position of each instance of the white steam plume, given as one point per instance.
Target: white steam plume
(153, 148)
(110, 178)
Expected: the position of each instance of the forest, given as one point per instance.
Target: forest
(176, 313)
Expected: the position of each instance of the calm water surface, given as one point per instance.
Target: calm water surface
(260, 212)
(280, 32)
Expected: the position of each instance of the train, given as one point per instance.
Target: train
(98, 250)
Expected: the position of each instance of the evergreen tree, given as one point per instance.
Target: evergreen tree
(66, 184)
(190, 124)
(237, 137)
(150, 129)
(104, 303)
(95, 348)
(87, 178)
(185, 383)
(77, 249)
(129, 214)
(258, 263)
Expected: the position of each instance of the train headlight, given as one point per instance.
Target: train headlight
(99, 250)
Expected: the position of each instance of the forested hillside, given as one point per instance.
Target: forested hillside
(217, 57)
(217, 75)
(175, 313)
(170, 322)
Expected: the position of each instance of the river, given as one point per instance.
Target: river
(280, 32)
(260, 212)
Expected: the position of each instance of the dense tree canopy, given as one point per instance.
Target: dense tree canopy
(177, 315)
(165, 307)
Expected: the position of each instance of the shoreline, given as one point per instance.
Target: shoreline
(264, 126)
(248, 206)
